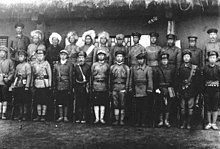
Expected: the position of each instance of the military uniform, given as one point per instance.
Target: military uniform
(164, 75)
(81, 74)
(188, 82)
(100, 86)
(119, 83)
(141, 82)
(52, 54)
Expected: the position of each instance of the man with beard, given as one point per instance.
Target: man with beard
(81, 75)
(212, 45)
(89, 38)
(6, 76)
(118, 47)
(135, 49)
(19, 42)
(173, 51)
(100, 86)
(119, 83)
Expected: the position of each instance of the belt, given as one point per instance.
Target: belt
(97, 80)
(42, 77)
(119, 82)
(212, 84)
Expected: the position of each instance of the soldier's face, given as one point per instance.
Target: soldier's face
(103, 40)
(186, 58)
(55, 41)
(72, 39)
(170, 42)
(136, 39)
(63, 56)
(164, 61)
(21, 58)
(119, 41)
(19, 30)
(40, 57)
(192, 43)
(153, 40)
(212, 37)
(119, 58)
(2, 54)
(35, 39)
(101, 57)
(140, 61)
(212, 59)
(88, 40)
(81, 60)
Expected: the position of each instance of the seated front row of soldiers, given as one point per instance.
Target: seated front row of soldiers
(110, 86)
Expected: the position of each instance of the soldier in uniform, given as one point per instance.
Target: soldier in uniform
(141, 82)
(62, 84)
(53, 51)
(19, 42)
(212, 45)
(42, 77)
(118, 47)
(103, 38)
(119, 83)
(37, 37)
(211, 74)
(81, 74)
(135, 49)
(89, 38)
(72, 48)
(188, 82)
(173, 51)
(22, 84)
(100, 86)
(6, 76)
(165, 80)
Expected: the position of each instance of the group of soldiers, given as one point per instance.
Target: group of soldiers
(112, 78)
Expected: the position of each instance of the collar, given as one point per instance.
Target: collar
(212, 66)
(63, 61)
(153, 45)
(19, 36)
(189, 65)
(119, 63)
(141, 67)
(101, 62)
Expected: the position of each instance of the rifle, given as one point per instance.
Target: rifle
(55, 106)
(13, 105)
(32, 103)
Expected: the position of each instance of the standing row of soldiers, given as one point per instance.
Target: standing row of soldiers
(97, 73)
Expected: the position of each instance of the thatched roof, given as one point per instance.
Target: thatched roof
(101, 8)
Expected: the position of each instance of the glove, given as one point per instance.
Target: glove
(158, 91)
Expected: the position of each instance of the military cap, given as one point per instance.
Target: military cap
(211, 53)
(136, 34)
(141, 56)
(40, 51)
(212, 30)
(81, 53)
(19, 24)
(101, 52)
(64, 51)
(22, 52)
(192, 38)
(120, 52)
(171, 36)
(120, 37)
(187, 52)
(3, 48)
(164, 55)
(154, 34)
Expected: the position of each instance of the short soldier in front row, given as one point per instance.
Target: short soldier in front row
(22, 84)
(164, 88)
(62, 84)
(188, 82)
(141, 82)
(100, 86)
(42, 77)
(211, 74)
(81, 75)
(119, 83)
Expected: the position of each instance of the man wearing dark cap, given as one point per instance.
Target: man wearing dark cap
(119, 46)
(22, 85)
(164, 89)
(141, 83)
(119, 81)
(211, 90)
(187, 84)
(19, 42)
(212, 45)
(173, 51)
(63, 84)
(100, 86)
(152, 51)
(135, 49)
(81, 75)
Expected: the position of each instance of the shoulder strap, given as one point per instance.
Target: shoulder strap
(192, 72)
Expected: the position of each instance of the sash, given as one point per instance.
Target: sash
(90, 49)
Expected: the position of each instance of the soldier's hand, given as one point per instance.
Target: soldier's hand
(26, 89)
(158, 91)
(6, 80)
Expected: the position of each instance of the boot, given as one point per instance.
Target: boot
(96, 111)
(182, 121)
(39, 113)
(25, 113)
(160, 124)
(102, 113)
(122, 117)
(60, 114)
(116, 112)
(214, 119)
(4, 116)
(43, 117)
(65, 114)
(166, 122)
(188, 124)
(209, 125)
(4, 109)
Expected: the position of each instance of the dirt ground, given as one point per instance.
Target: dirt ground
(37, 135)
